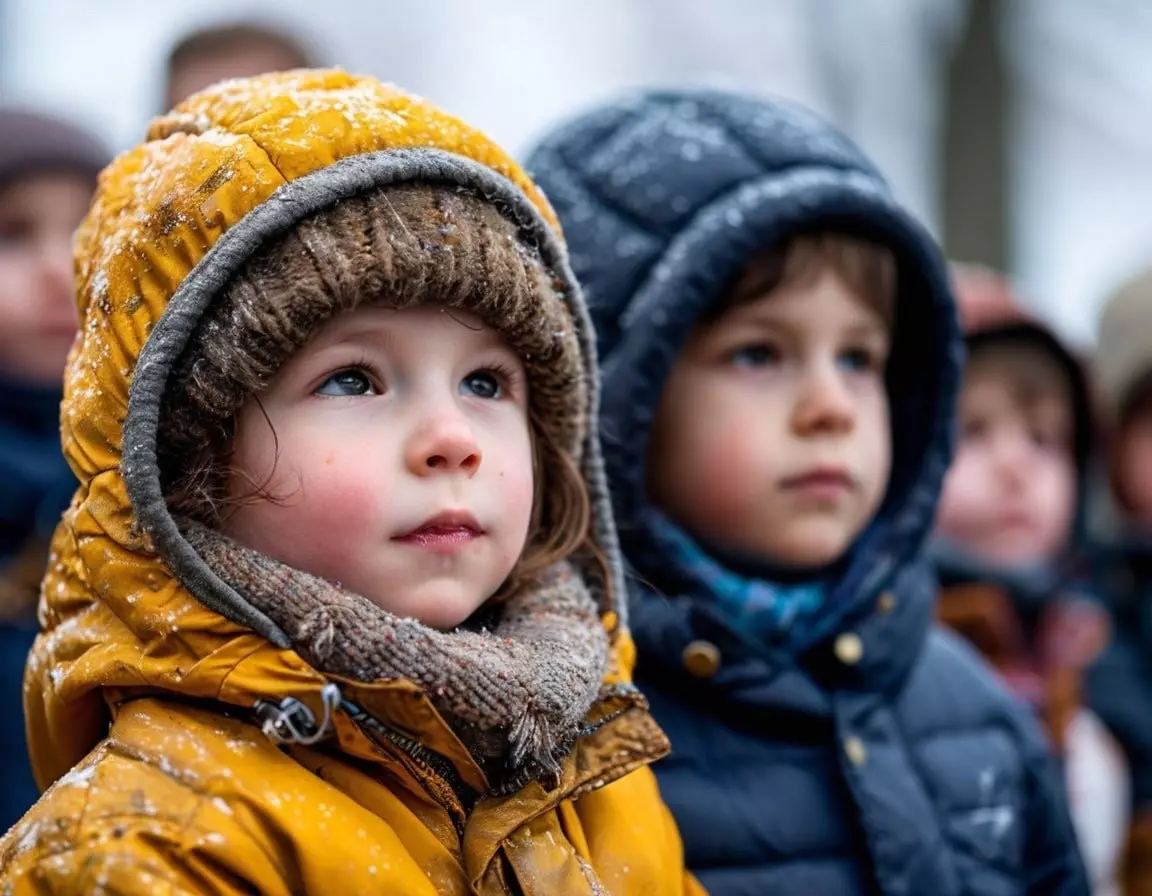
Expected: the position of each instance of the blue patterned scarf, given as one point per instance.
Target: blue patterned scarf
(757, 606)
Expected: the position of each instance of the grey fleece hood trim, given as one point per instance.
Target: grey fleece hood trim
(290, 204)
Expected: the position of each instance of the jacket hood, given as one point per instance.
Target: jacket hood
(128, 606)
(664, 196)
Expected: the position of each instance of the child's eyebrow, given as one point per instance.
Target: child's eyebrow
(379, 335)
(870, 328)
(774, 319)
(359, 334)
(757, 315)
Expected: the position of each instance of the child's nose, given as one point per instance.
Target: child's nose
(444, 444)
(56, 268)
(1013, 458)
(824, 404)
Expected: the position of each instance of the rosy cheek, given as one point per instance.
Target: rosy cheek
(963, 495)
(328, 506)
(515, 489)
(1137, 461)
(343, 499)
(727, 471)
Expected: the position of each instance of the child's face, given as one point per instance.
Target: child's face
(38, 216)
(234, 61)
(772, 436)
(1132, 471)
(393, 456)
(1010, 495)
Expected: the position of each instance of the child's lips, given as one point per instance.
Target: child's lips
(821, 482)
(1016, 519)
(444, 533)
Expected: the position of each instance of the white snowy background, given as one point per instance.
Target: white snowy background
(1081, 144)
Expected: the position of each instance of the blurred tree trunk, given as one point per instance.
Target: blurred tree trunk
(975, 164)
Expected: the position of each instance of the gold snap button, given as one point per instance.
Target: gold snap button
(702, 659)
(849, 649)
(855, 750)
(887, 602)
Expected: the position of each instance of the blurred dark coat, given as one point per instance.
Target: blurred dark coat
(35, 488)
(1119, 687)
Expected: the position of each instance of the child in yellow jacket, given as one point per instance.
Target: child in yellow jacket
(338, 607)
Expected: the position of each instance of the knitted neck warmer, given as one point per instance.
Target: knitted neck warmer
(515, 695)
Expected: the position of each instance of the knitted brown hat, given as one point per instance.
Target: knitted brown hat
(397, 246)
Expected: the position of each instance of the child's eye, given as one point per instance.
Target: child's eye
(974, 428)
(482, 384)
(758, 354)
(352, 381)
(1047, 440)
(13, 232)
(857, 360)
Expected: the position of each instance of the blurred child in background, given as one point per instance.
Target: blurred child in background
(234, 50)
(48, 171)
(1008, 532)
(1121, 683)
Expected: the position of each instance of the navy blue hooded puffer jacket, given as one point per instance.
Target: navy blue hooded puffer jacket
(871, 753)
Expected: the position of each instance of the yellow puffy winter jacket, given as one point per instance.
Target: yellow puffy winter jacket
(141, 699)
